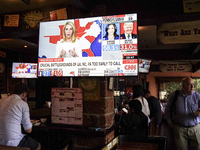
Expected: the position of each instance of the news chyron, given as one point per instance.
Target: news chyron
(95, 46)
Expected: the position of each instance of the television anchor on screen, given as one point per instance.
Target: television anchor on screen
(69, 46)
(128, 31)
(21, 69)
(111, 32)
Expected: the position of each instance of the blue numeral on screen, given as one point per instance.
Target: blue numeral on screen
(111, 47)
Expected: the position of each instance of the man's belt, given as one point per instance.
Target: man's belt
(186, 126)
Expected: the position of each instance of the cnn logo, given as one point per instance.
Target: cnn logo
(130, 67)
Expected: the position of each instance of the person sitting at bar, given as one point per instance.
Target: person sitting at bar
(134, 123)
(14, 113)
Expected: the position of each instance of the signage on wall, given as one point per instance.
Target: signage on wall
(191, 6)
(11, 20)
(179, 32)
(32, 19)
(67, 106)
(175, 67)
(58, 14)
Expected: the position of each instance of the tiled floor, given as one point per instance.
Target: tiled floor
(165, 130)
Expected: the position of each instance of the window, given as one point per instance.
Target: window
(197, 85)
(169, 85)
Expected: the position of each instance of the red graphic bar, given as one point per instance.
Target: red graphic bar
(130, 54)
(130, 61)
(51, 60)
(128, 47)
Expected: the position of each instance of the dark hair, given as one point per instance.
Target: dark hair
(20, 88)
(136, 105)
(147, 92)
(137, 90)
(115, 33)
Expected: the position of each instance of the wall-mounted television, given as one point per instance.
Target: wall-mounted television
(24, 70)
(99, 47)
(144, 65)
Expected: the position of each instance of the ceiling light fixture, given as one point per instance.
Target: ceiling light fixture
(26, 1)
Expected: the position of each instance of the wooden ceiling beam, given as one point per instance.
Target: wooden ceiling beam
(19, 34)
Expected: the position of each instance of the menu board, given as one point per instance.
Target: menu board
(67, 106)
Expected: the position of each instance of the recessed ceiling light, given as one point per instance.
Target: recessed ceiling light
(25, 46)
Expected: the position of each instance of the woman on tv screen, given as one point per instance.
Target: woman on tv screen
(21, 68)
(111, 32)
(69, 46)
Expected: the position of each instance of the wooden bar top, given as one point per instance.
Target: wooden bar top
(3, 147)
(137, 146)
(79, 130)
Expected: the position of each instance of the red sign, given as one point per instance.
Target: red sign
(130, 67)
(130, 61)
(128, 47)
(51, 60)
(130, 54)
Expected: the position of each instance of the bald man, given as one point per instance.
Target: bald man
(183, 115)
(128, 29)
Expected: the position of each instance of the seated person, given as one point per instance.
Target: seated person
(14, 113)
(135, 122)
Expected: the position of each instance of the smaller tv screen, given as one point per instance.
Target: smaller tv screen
(116, 93)
(144, 65)
(24, 70)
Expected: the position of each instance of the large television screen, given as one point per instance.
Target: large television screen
(24, 70)
(144, 65)
(95, 46)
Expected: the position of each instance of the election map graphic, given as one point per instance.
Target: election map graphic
(88, 32)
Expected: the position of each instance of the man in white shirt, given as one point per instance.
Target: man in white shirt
(14, 113)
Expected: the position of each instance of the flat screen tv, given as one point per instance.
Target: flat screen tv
(24, 70)
(144, 65)
(95, 46)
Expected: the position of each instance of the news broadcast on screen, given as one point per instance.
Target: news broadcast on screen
(95, 46)
(24, 70)
(144, 65)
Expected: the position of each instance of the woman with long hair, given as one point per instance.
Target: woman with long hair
(69, 46)
(111, 32)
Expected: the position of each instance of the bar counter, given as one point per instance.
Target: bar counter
(57, 136)
(79, 130)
